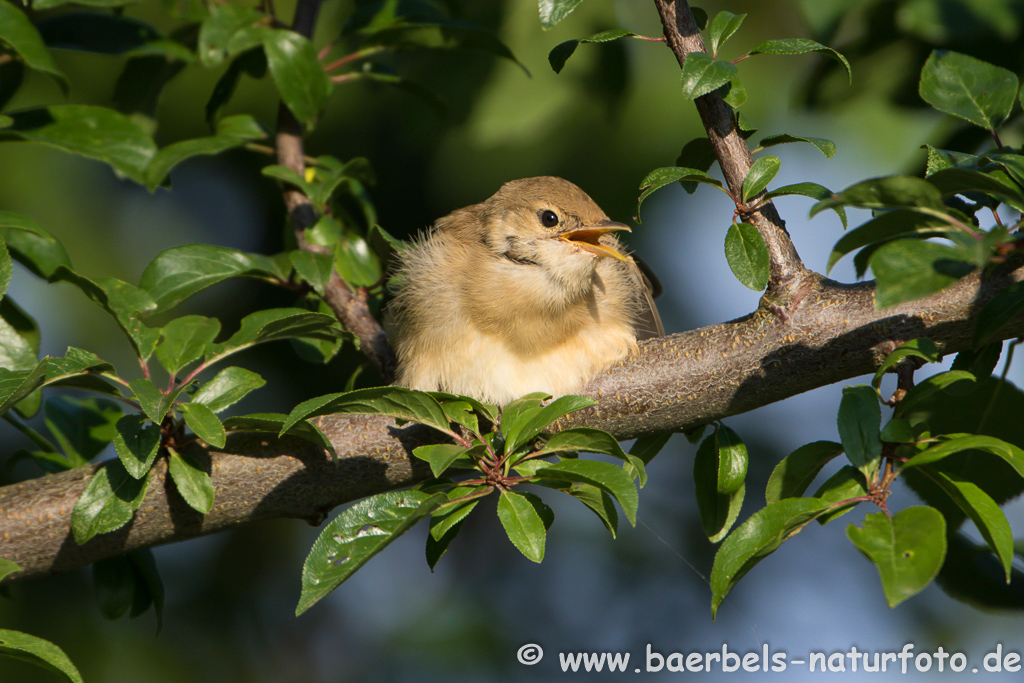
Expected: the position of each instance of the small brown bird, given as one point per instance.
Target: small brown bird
(528, 291)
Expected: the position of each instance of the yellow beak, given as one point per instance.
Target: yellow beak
(587, 238)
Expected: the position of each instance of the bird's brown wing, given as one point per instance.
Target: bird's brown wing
(649, 322)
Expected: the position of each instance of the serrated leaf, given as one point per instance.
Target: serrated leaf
(194, 484)
(154, 403)
(983, 511)
(860, 417)
(37, 651)
(397, 402)
(93, 132)
(356, 535)
(798, 46)
(298, 74)
(929, 386)
(137, 442)
(229, 386)
(185, 340)
(889, 192)
(812, 190)
(204, 423)
(523, 523)
(701, 73)
(721, 27)
(761, 172)
(889, 225)
(600, 502)
(826, 147)
(522, 431)
(839, 490)
(1013, 455)
(314, 268)
(922, 348)
(756, 538)
(439, 456)
(178, 273)
(747, 255)
(604, 475)
(589, 440)
(906, 270)
(553, 11)
(1004, 307)
(953, 181)
(969, 88)
(908, 549)
(796, 471)
(232, 131)
(17, 31)
(270, 423)
(273, 324)
(15, 386)
(108, 501)
(561, 52)
(660, 177)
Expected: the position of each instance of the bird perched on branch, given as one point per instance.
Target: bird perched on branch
(527, 291)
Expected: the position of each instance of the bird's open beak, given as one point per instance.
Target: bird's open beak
(587, 238)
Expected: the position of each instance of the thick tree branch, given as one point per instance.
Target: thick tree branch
(787, 270)
(350, 305)
(832, 333)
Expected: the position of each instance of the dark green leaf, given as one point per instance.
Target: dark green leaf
(193, 483)
(298, 74)
(149, 587)
(603, 475)
(356, 535)
(908, 549)
(796, 471)
(759, 536)
(906, 270)
(1013, 455)
(929, 386)
(30, 245)
(185, 340)
(178, 273)
(702, 73)
(108, 501)
(93, 132)
(953, 181)
(553, 11)
(252, 62)
(314, 268)
(718, 510)
(229, 386)
(223, 24)
(523, 524)
(589, 440)
(103, 33)
(660, 177)
(923, 348)
(747, 255)
(37, 651)
(826, 147)
(154, 403)
(397, 402)
(14, 386)
(232, 131)
(888, 225)
(812, 190)
(798, 46)
(722, 26)
(761, 172)
(206, 425)
(897, 430)
(890, 192)
(82, 427)
(278, 323)
(439, 456)
(598, 500)
(1004, 307)
(519, 432)
(963, 86)
(980, 362)
(17, 31)
(136, 442)
(839, 490)
(859, 420)
(114, 580)
(270, 423)
(561, 52)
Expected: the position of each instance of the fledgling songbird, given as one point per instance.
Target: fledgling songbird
(527, 291)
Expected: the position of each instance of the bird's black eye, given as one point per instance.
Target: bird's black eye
(548, 218)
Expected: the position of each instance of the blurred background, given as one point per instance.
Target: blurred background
(611, 116)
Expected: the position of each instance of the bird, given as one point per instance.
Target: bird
(528, 291)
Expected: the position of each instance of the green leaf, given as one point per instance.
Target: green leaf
(719, 509)
(154, 403)
(561, 52)
(722, 26)
(953, 181)
(923, 348)
(18, 32)
(396, 402)
(838, 490)
(1013, 455)
(906, 270)
(439, 456)
(980, 362)
(19, 337)
(603, 475)
(8, 567)
(184, 340)
(969, 88)
(826, 147)
(35, 650)
(598, 500)
(93, 132)
(519, 432)
(178, 273)
(897, 430)
(14, 386)
(193, 483)
(796, 471)
(761, 172)
(660, 177)
(108, 501)
(314, 268)
(747, 255)
(229, 386)
(859, 419)
(798, 46)
(252, 62)
(890, 192)
(297, 73)
(273, 324)
(218, 30)
(82, 427)
(553, 11)
(523, 523)
(589, 440)
(929, 386)
(356, 535)
(702, 73)
(232, 131)
(908, 549)
(812, 190)
(982, 510)
(137, 442)
(270, 423)
(756, 538)
(888, 225)
(206, 425)
(997, 313)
